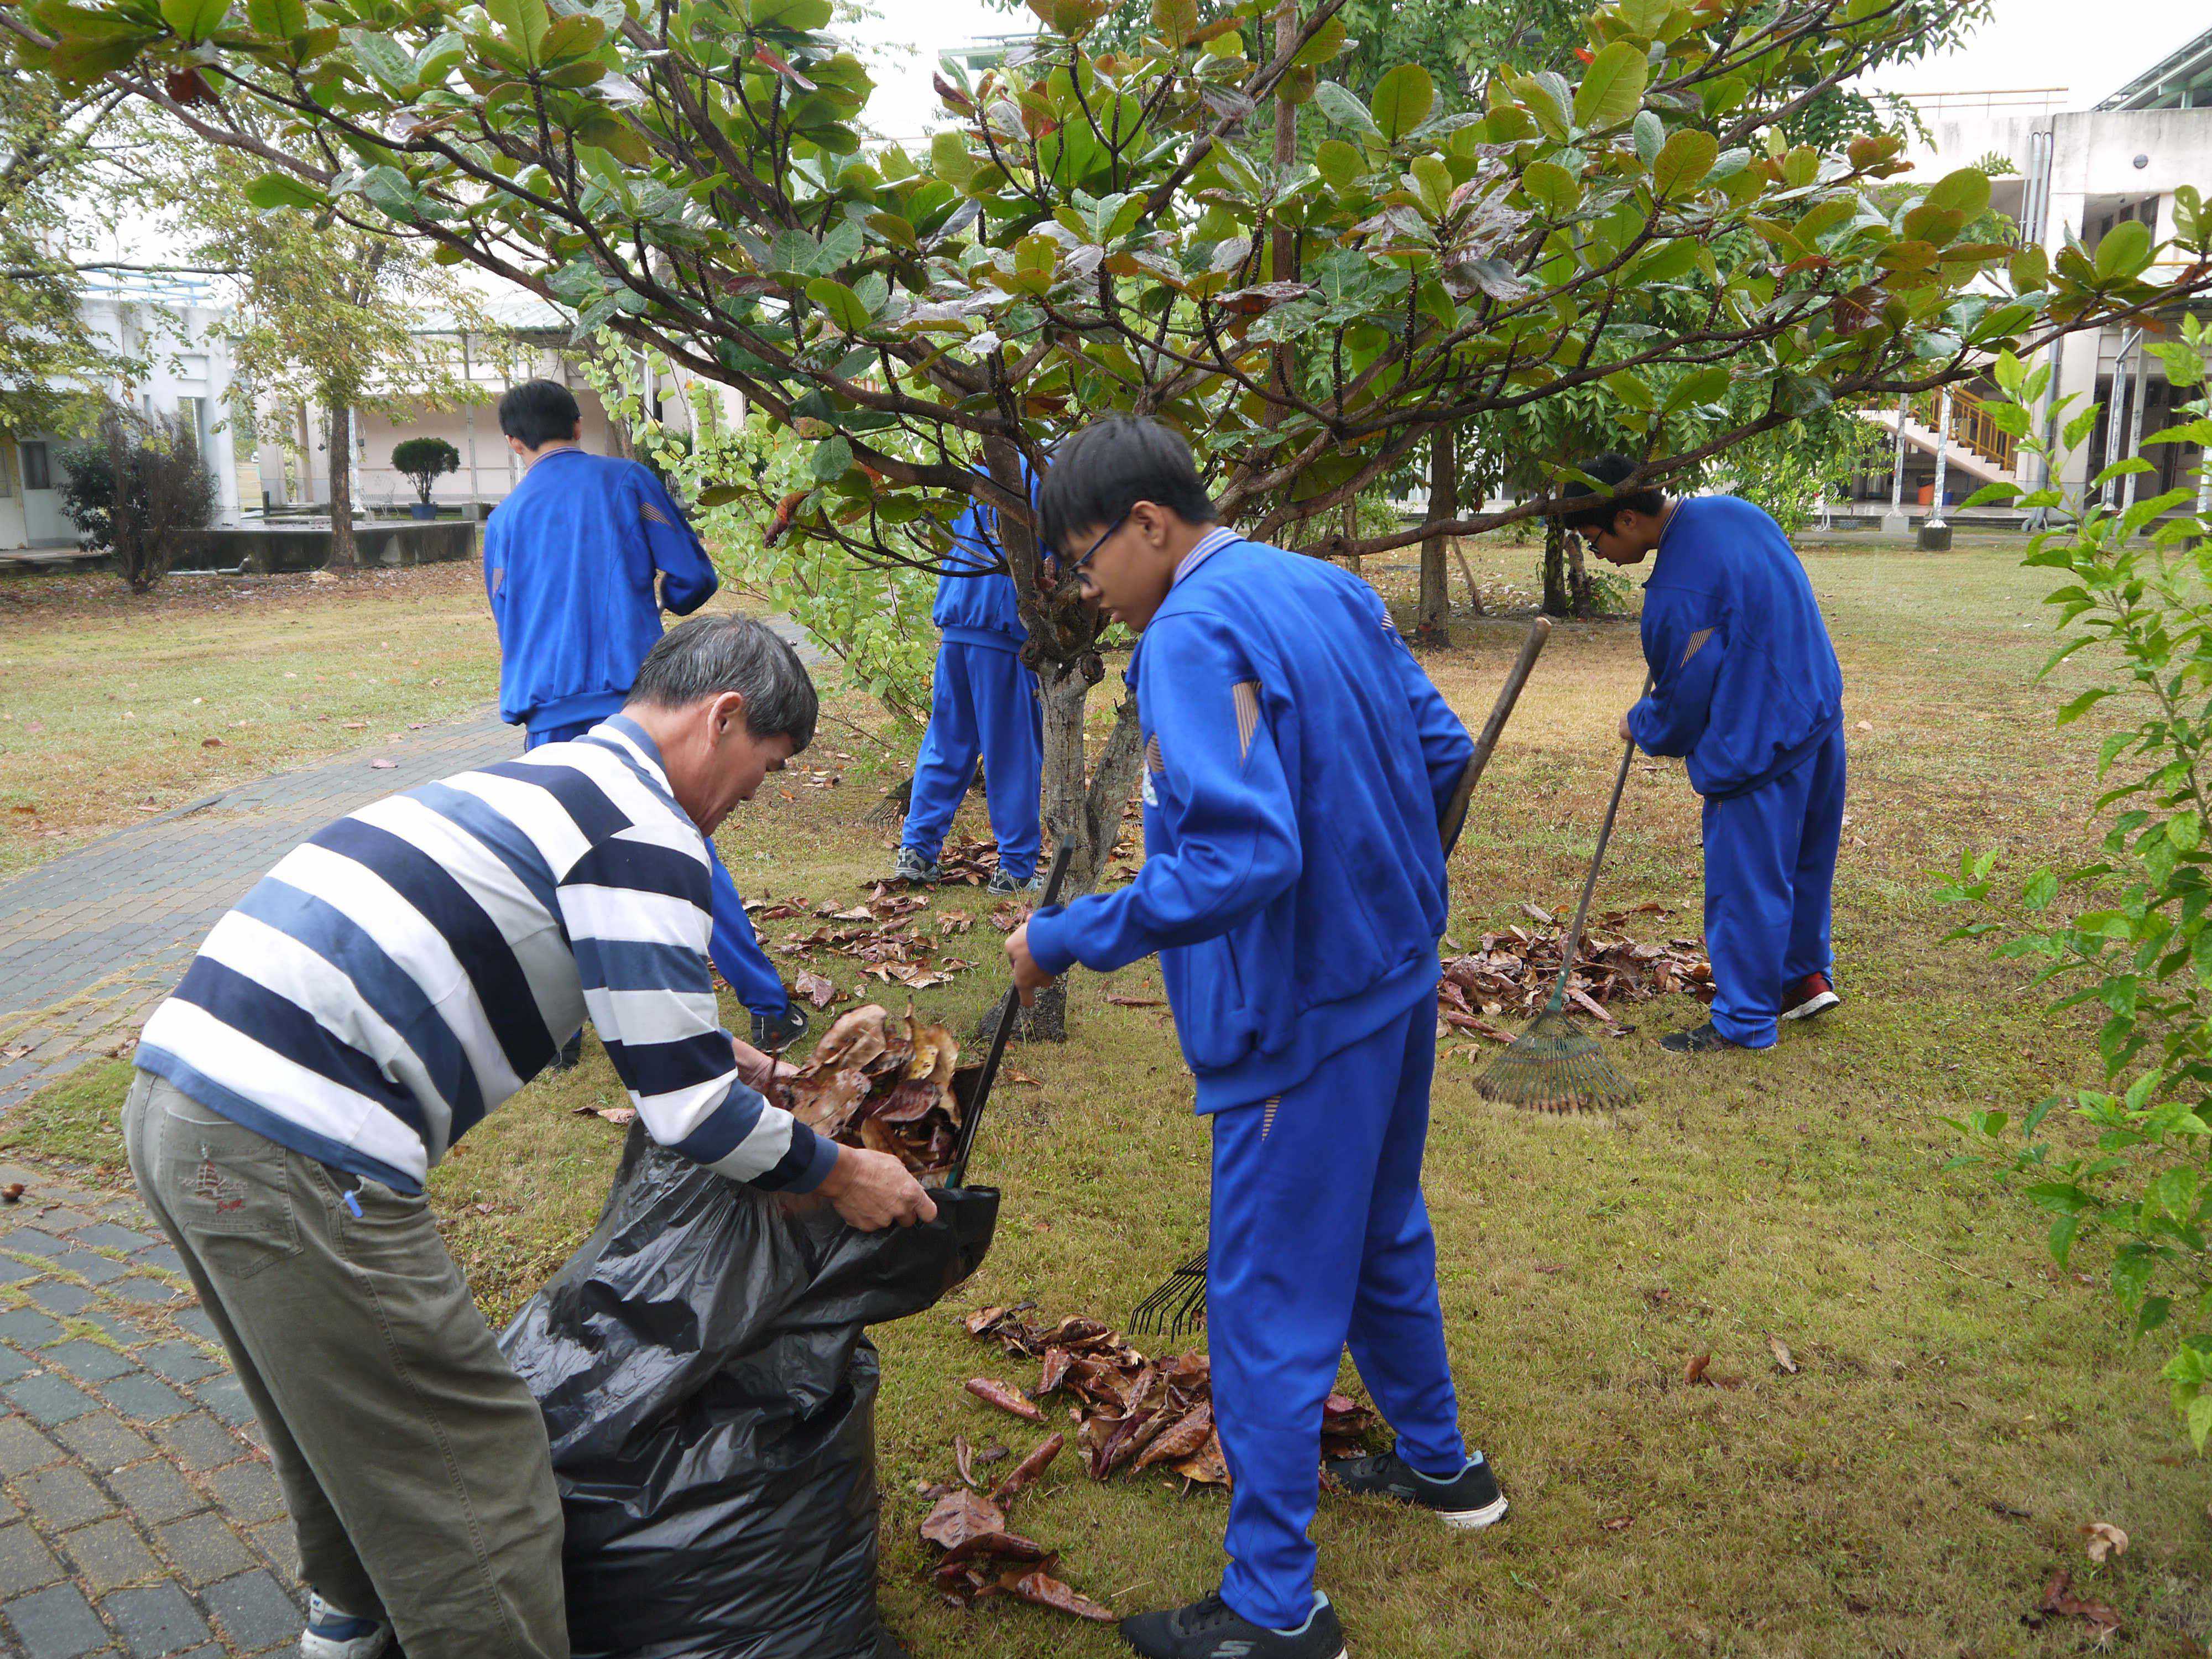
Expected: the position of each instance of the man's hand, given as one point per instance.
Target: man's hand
(759, 1070)
(871, 1190)
(1626, 736)
(1029, 978)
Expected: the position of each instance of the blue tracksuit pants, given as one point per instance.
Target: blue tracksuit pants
(1770, 868)
(984, 702)
(736, 949)
(1320, 1238)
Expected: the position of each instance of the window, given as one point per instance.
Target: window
(37, 471)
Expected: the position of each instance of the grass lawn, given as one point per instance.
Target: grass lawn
(1962, 1408)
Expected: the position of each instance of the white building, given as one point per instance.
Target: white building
(162, 321)
(2077, 172)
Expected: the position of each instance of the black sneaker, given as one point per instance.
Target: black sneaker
(1813, 994)
(1002, 885)
(1210, 1628)
(1468, 1502)
(1703, 1040)
(572, 1054)
(910, 866)
(774, 1033)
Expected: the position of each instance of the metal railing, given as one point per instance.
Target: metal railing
(2014, 100)
(1972, 427)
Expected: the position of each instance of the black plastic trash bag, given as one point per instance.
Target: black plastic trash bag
(710, 1395)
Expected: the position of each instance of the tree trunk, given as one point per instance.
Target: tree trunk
(345, 555)
(1579, 586)
(1085, 816)
(1431, 624)
(1557, 602)
(1358, 561)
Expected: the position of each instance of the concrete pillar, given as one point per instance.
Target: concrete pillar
(1934, 533)
(1897, 521)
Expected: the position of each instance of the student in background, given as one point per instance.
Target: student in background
(983, 704)
(1747, 690)
(579, 562)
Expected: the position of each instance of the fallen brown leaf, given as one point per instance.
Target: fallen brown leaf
(997, 1393)
(2105, 1540)
(1780, 1350)
(2059, 1602)
(959, 1515)
(1618, 1523)
(1045, 1591)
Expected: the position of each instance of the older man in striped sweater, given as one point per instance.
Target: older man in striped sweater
(388, 983)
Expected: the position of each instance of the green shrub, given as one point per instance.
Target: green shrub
(2136, 939)
(425, 460)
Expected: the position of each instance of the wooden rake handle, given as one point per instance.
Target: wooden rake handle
(1509, 693)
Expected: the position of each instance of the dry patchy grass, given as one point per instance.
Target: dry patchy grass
(1962, 1408)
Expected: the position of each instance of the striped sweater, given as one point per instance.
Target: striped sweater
(413, 965)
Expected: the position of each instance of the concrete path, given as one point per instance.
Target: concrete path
(91, 941)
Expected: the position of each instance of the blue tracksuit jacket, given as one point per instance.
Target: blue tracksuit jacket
(1744, 683)
(977, 610)
(571, 562)
(1746, 688)
(1296, 762)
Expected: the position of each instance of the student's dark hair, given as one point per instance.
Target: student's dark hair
(705, 656)
(539, 413)
(1609, 471)
(1099, 473)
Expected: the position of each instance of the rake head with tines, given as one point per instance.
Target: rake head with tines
(1555, 1065)
(1177, 1305)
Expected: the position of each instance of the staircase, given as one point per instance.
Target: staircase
(1975, 447)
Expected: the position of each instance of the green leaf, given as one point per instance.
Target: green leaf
(1612, 86)
(1326, 46)
(1344, 108)
(1554, 186)
(1340, 164)
(831, 460)
(1650, 137)
(280, 20)
(1432, 183)
(2124, 251)
(1966, 191)
(2082, 705)
(382, 57)
(845, 307)
(1702, 385)
(1684, 162)
(282, 190)
(1403, 98)
(194, 20)
(522, 24)
(1177, 20)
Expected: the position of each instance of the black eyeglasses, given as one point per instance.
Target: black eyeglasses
(1076, 569)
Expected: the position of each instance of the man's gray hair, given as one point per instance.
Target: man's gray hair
(705, 656)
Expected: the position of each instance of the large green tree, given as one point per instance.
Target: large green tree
(329, 310)
(1134, 230)
(59, 145)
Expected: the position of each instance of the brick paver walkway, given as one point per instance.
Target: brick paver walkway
(138, 1514)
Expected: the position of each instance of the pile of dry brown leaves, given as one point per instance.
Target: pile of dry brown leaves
(1513, 972)
(1128, 1411)
(884, 1081)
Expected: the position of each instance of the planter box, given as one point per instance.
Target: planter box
(270, 550)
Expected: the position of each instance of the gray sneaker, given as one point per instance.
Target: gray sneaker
(1002, 885)
(910, 866)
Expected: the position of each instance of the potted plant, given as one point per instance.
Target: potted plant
(425, 460)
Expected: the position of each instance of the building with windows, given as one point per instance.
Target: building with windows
(165, 323)
(2067, 172)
